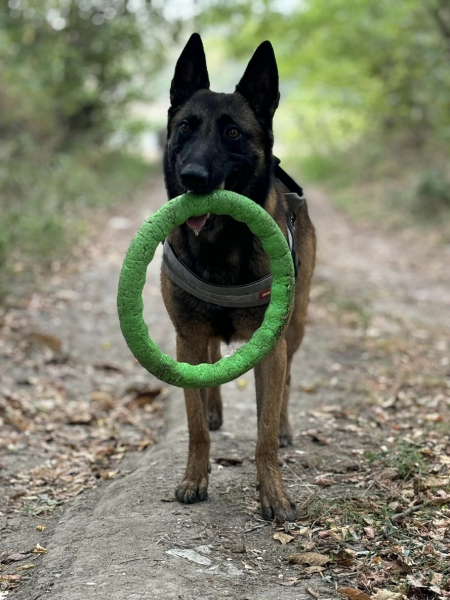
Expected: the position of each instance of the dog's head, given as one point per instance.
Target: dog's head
(221, 140)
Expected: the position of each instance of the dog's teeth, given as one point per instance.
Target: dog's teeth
(196, 231)
(222, 185)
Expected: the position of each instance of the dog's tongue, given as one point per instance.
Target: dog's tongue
(196, 222)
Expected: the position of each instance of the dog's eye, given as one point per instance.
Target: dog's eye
(184, 127)
(233, 133)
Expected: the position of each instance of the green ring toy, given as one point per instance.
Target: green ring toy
(133, 275)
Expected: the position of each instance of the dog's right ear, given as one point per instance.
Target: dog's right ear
(191, 73)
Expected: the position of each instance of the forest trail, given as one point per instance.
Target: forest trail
(370, 401)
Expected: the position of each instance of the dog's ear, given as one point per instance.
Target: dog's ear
(259, 84)
(191, 73)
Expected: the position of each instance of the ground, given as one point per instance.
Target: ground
(92, 446)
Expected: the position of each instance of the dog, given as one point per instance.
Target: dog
(217, 140)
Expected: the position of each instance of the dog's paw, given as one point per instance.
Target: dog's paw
(214, 409)
(192, 490)
(285, 439)
(277, 505)
(214, 420)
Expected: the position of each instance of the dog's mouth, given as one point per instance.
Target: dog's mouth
(197, 223)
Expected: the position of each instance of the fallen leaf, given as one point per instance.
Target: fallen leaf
(109, 474)
(433, 481)
(404, 564)
(50, 341)
(26, 567)
(415, 582)
(41, 527)
(317, 437)
(386, 474)
(345, 558)
(105, 399)
(324, 481)
(313, 559)
(283, 538)
(144, 396)
(308, 389)
(11, 580)
(80, 419)
(40, 549)
(387, 595)
(353, 593)
(436, 579)
(313, 592)
(16, 556)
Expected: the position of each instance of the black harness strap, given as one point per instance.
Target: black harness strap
(295, 200)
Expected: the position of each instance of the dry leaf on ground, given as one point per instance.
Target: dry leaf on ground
(283, 538)
(26, 567)
(314, 559)
(387, 595)
(16, 556)
(353, 593)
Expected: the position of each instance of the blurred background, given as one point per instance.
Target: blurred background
(365, 108)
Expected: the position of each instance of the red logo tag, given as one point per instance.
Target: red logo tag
(264, 293)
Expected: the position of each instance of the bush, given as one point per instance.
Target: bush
(431, 199)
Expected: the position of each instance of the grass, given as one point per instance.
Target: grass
(405, 457)
(46, 197)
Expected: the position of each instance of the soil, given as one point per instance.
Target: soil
(372, 374)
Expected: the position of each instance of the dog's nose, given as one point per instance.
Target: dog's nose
(194, 177)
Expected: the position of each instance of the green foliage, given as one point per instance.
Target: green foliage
(45, 199)
(431, 199)
(69, 72)
(79, 63)
(365, 98)
(351, 67)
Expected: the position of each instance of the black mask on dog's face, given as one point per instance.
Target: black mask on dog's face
(220, 140)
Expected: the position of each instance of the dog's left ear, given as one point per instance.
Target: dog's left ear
(259, 84)
(191, 73)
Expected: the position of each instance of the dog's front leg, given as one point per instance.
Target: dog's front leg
(194, 486)
(270, 375)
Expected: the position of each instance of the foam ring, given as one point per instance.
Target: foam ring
(133, 276)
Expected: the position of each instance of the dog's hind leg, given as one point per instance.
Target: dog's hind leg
(214, 400)
(294, 336)
(194, 486)
(270, 376)
(285, 432)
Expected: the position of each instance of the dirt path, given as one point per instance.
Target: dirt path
(370, 404)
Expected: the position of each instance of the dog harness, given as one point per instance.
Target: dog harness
(256, 293)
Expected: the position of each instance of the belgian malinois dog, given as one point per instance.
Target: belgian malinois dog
(225, 141)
